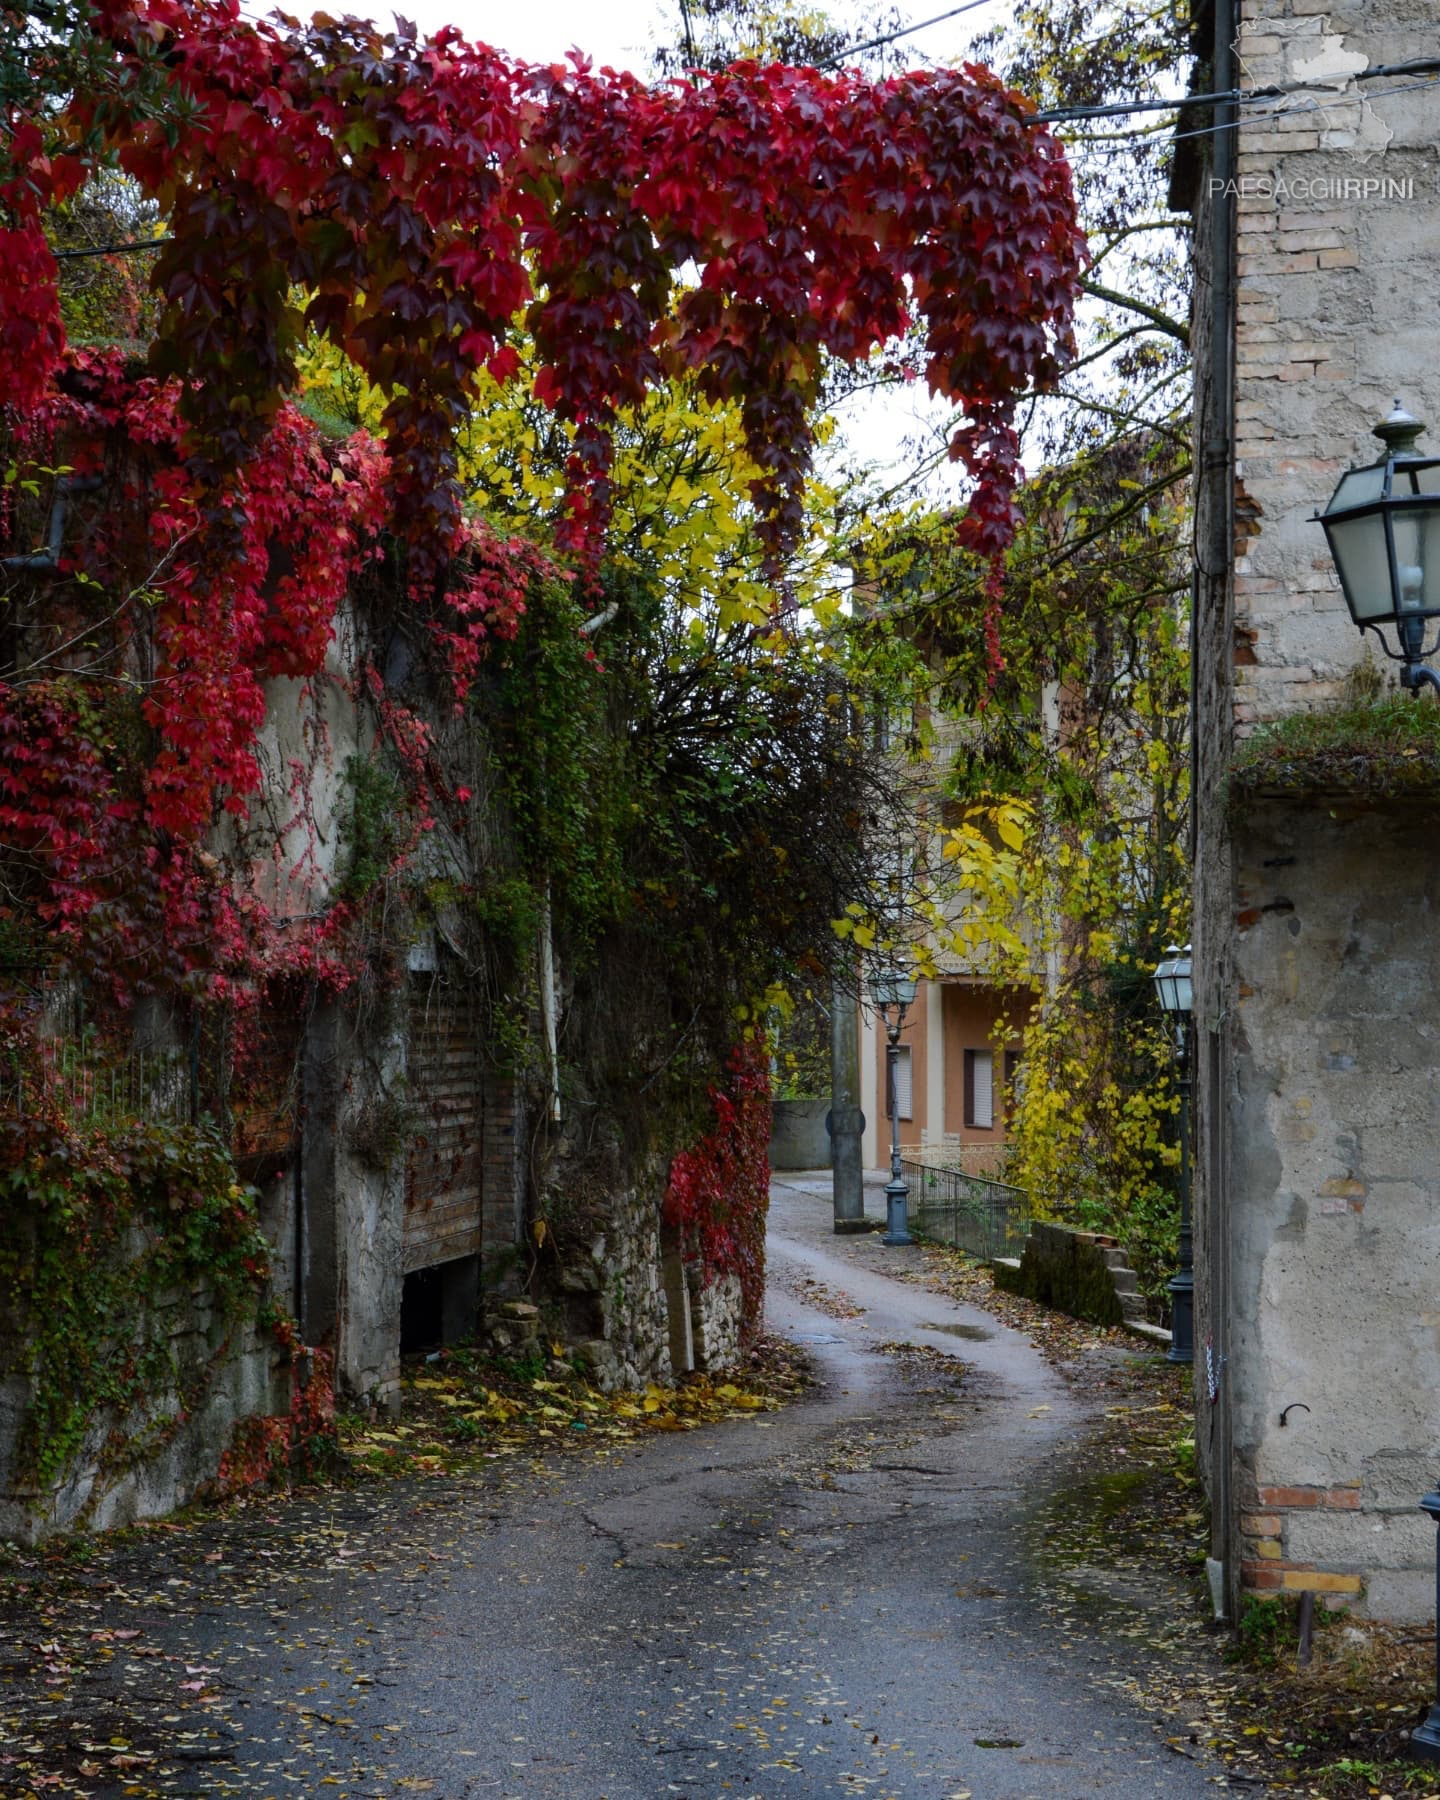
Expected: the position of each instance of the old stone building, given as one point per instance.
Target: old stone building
(1317, 240)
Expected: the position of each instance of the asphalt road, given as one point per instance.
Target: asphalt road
(830, 1600)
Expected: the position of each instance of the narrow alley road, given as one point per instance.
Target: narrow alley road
(833, 1599)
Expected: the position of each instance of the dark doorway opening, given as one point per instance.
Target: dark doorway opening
(440, 1305)
(422, 1311)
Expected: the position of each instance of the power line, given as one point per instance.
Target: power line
(1124, 145)
(1425, 65)
(893, 37)
(113, 249)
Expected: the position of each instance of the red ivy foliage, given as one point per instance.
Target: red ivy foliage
(412, 198)
(204, 608)
(719, 1192)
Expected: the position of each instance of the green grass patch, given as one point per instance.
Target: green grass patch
(1389, 746)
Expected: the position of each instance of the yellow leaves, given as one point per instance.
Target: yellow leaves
(1010, 822)
(857, 925)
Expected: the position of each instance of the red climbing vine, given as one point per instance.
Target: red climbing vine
(719, 1190)
(126, 737)
(415, 199)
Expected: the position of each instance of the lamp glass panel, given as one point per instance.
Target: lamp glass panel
(905, 990)
(1426, 479)
(1358, 488)
(1184, 988)
(883, 986)
(1358, 546)
(1416, 530)
(1173, 985)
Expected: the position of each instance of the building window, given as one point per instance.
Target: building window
(904, 1086)
(980, 1089)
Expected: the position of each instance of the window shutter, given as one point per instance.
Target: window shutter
(904, 1084)
(979, 1089)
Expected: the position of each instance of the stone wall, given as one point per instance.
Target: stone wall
(145, 1466)
(1335, 1216)
(1305, 1287)
(1082, 1273)
(716, 1317)
(626, 1296)
(1338, 253)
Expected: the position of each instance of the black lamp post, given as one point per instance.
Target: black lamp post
(893, 991)
(1174, 989)
(1383, 526)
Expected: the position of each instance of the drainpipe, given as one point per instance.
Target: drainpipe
(549, 1002)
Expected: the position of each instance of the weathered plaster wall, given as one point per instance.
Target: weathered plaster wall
(1306, 1289)
(351, 1241)
(1336, 1211)
(145, 1466)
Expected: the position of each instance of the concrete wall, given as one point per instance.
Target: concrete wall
(144, 1466)
(1336, 1217)
(798, 1137)
(1314, 1061)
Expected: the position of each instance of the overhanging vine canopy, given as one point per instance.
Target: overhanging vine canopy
(419, 201)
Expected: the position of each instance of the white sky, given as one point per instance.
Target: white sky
(620, 32)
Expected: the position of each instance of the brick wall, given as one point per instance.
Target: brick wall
(1338, 238)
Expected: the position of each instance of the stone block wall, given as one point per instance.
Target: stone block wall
(716, 1316)
(1082, 1273)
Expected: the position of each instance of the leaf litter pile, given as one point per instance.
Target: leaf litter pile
(113, 1680)
(1118, 1554)
(460, 1406)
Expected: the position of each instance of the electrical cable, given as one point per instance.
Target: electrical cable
(1423, 65)
(113, 249)
(893, 37)
(1123, 145)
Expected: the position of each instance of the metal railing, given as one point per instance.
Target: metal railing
(970, 1212)
(90, 1090)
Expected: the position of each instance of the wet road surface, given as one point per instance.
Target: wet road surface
(830, 1600)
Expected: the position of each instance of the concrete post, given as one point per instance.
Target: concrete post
(846, 1121)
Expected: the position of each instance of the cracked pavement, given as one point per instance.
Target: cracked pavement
(835, 1599)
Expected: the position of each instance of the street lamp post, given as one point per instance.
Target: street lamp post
(1174, 989)
(893, 992)
(1383, 527)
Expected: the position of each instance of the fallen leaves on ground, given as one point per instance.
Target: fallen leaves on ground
(1119, 1553)
(460, 1405)
(122, 1655)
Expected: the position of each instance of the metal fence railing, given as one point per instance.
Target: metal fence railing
(983, 1217)
(90, 1090)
